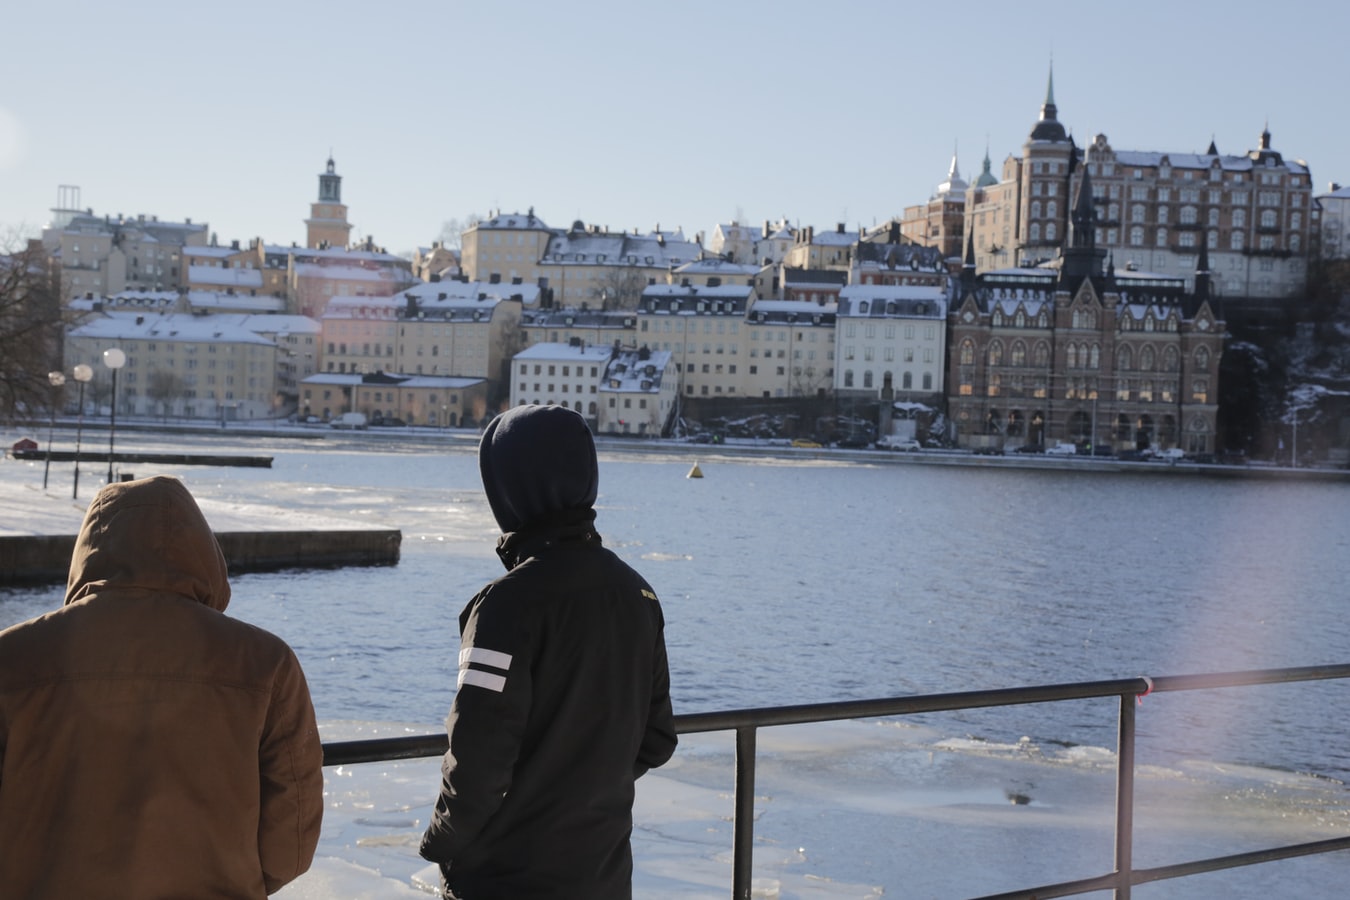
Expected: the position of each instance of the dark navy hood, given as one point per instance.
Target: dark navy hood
(538, 464)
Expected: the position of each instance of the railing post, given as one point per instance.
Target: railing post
(1125, 798)
(743, 836)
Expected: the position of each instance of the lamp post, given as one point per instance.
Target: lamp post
(114, 359)
(56, 379)
(82, 374)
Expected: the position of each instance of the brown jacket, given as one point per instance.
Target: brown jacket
(150, 746)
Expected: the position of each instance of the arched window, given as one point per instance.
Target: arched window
(1041, 355)
(1136, 236)
(1161, 239)
(1051, 209)
(967, 352)
(996, 353)
(1137, 213)
(1267, 218)
(1035, 232)
(867, 378)
(1235, 241)
(907, 380)
(1202, 359)
(1094, 356)
(1019, 354)
(1188, 215)
(1035, 209)
(848, 378)
(1147, 358)
(1071, 356)
(1124, 359)
(1051, 231)
(1170, 359)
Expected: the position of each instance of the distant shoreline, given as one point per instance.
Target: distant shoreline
(466, 439)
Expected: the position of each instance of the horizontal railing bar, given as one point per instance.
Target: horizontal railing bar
(418, 746)
(1061, 889)
(1216, 863)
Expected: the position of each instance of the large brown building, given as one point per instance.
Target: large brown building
(1082, 351)
(1252, 213)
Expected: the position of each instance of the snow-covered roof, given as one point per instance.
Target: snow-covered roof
(716, 265)
(656, 250)
(173, 327)
(353, 272)
(697, 291)
(569, 317)
(1153, 158)
(225, 277)
(516, 220)
(211, 251)
(559, 352)
(902, 300)
(636, 371)
(218, 300)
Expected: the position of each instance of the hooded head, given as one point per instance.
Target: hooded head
(538, 463)
(148, 535)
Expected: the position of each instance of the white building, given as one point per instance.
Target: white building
(568, 375)
(1335, 222)
(891, 335)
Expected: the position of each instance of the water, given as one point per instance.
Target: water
(791, 581)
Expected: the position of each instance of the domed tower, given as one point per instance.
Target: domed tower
(1048, 158)
(327, 225)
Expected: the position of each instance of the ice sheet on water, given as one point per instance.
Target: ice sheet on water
(860, 809)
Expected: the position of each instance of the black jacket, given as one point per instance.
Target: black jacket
(563, 701)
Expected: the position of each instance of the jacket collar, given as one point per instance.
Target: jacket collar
(571, 526)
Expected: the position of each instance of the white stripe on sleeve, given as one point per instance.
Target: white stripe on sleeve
(493, 658)
(481, 679)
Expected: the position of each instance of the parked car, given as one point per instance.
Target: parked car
(1062, 449)
(390, 422)
(892, 442)
(1171, 454)
(804, 442)
(1028, 448)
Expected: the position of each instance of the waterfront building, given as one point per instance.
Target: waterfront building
(1085, 351)
(638, 392)
(702, 329)
(891, 341)
(561, 374)
(182, 365)
(884, 257)
(315, 276)
(440, 401)
(100, 255)
(789, 349)
(1252, 213)
(1334, 221)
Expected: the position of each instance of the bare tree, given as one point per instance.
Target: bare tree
(163, 388)
(31, 325)
(452, 230)
(619, 288)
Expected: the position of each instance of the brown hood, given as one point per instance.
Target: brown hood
(148, 535)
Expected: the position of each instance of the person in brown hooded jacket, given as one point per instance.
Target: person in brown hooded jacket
(150, 746)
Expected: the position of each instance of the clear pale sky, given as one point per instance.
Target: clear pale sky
(623, 114)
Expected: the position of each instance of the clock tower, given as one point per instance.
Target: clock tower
(327, 225)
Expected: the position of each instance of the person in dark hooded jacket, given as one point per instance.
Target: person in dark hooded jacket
(563, 696)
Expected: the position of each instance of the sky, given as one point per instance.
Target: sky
(622, 114)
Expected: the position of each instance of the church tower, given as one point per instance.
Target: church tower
(327, 225)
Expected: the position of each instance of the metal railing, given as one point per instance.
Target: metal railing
(746, 723)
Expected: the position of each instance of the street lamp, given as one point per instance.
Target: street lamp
(56, 379)
(82, 374)
(114, 359)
